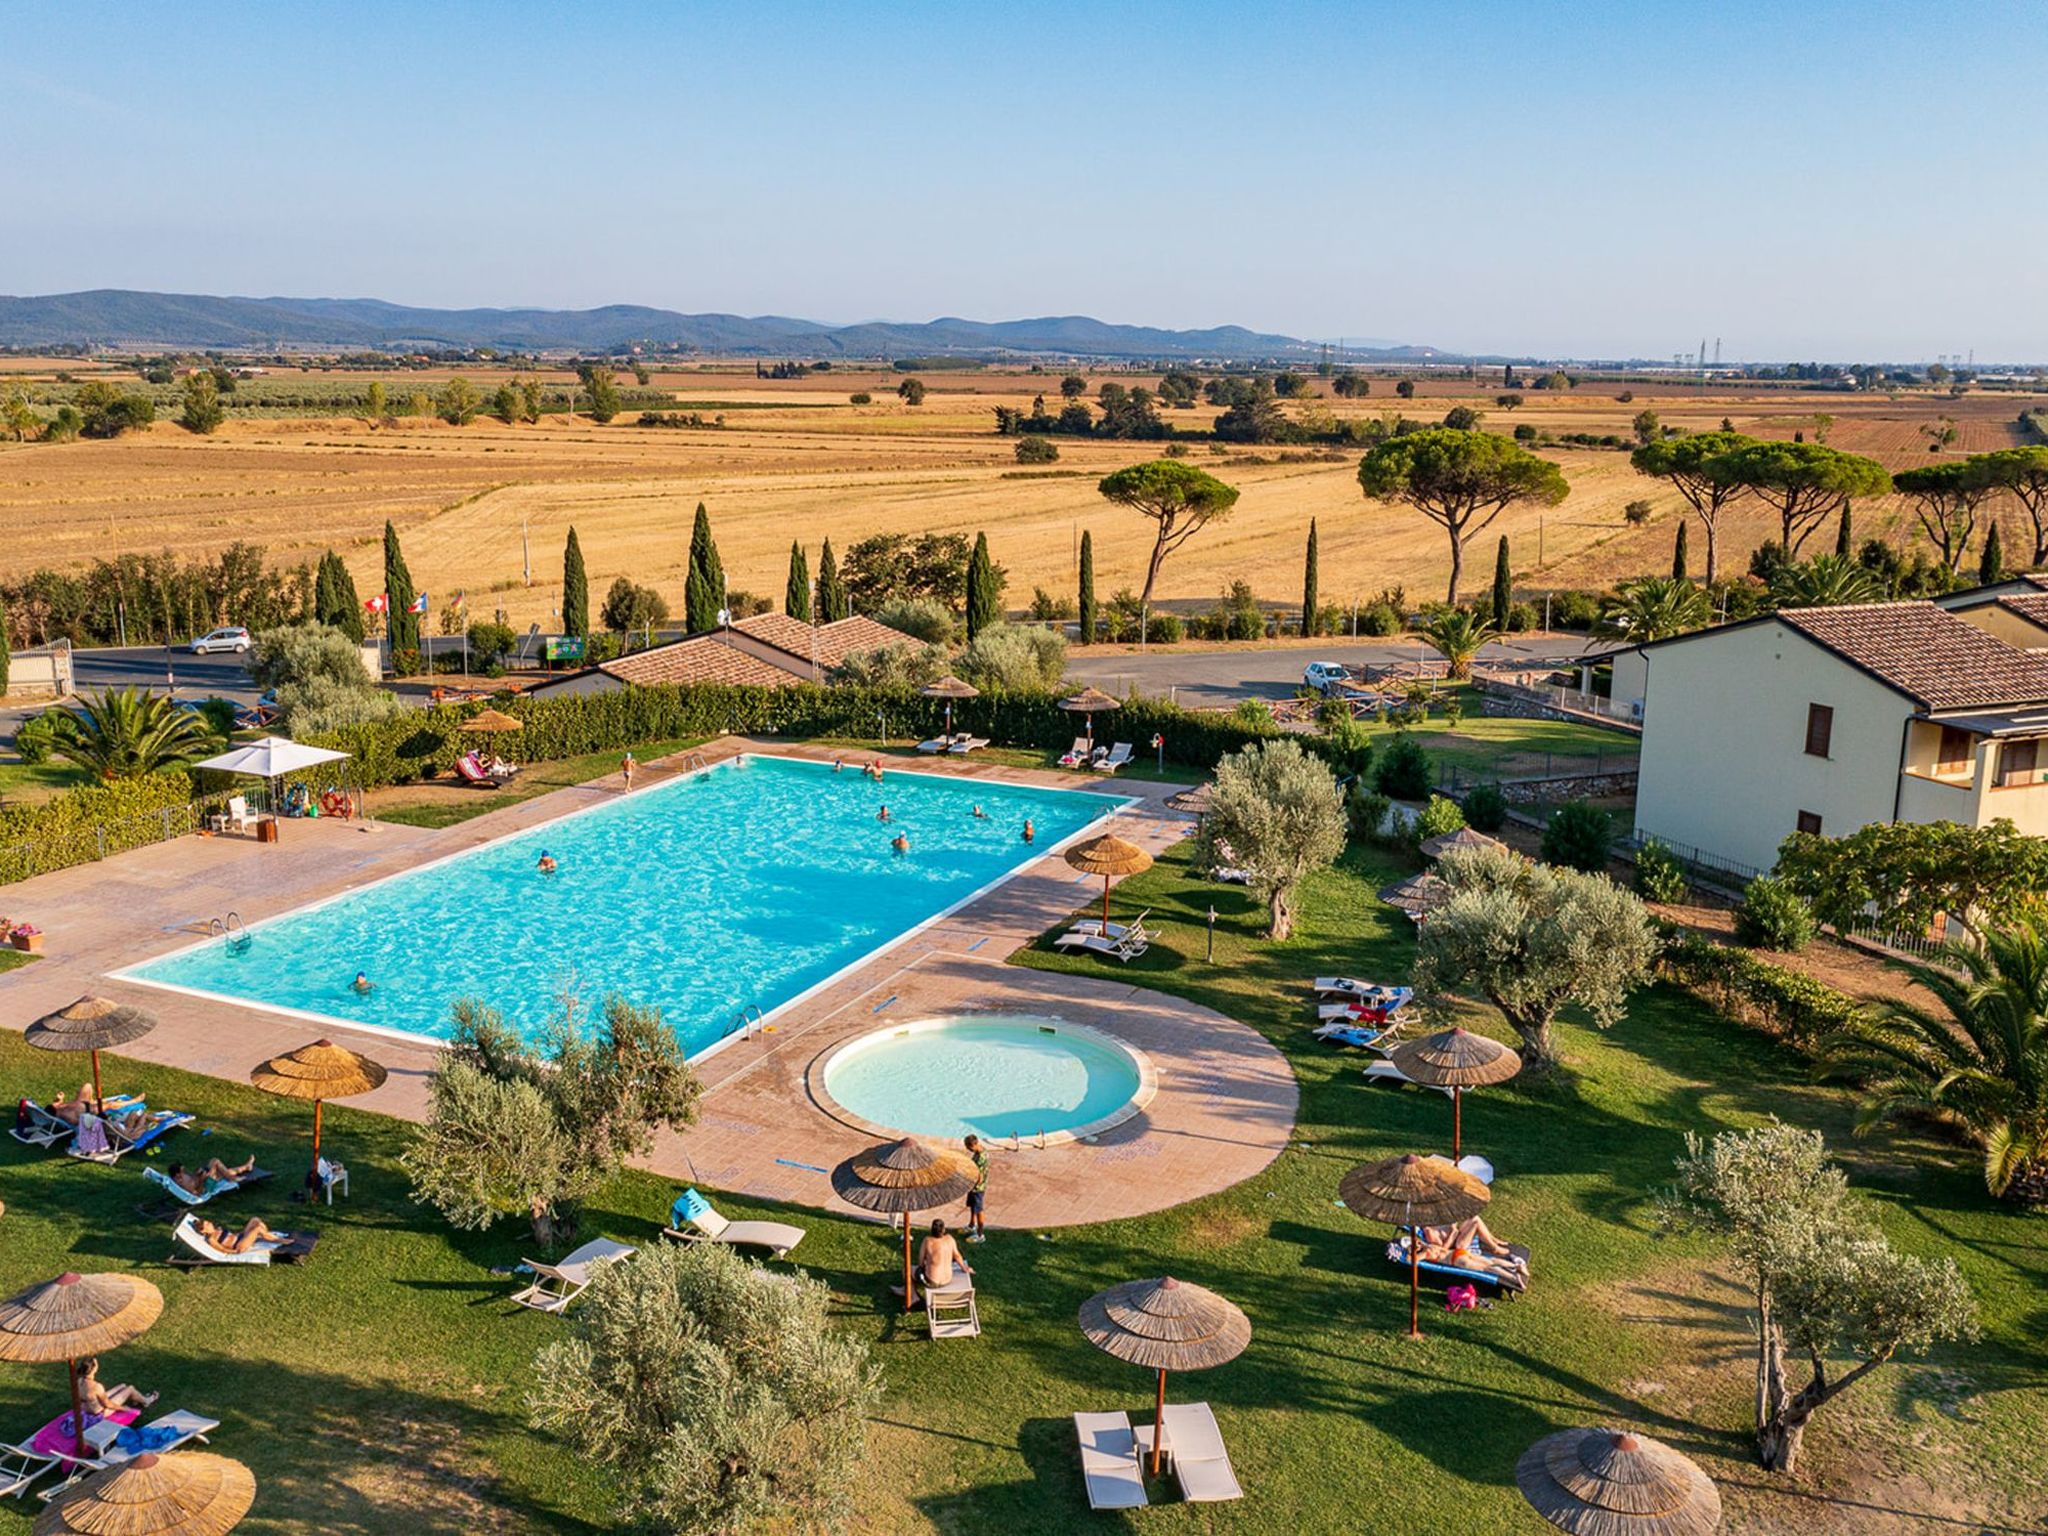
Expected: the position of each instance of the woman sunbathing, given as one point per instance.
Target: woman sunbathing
(223, 1241)
(1471, 1245)
(105, 1400)
(195, 1180)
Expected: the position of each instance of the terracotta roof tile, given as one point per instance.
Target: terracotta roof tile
(703, 660)
(836, 641)
(1927, 653)
(2031, 606)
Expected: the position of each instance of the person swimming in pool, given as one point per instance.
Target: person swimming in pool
(838, 763)
(900, 843)
(1030, 833)
(876, 768)
(360, 984)
(547, 865)
(980, 814)
(882, 814)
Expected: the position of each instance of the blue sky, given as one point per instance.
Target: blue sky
(1806, 180)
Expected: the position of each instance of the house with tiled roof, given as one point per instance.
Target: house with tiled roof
(1828, 719)
(768, 650)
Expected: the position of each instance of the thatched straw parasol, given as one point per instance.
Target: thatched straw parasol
(1169, 1325)
(1464, 837)
(320, 1071)
(493, 720)
(1417, 894)
(91, 1024)
(950, 688)
(900, 1178)
(1609, 1482)
(1108, 856)
(1456, 1059)
(181, 1493)
(72, 1318)
(1089, 702)
(1411, 1192)
(1195, 801)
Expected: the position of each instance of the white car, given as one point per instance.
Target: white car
(231, 637)
(1326, 676)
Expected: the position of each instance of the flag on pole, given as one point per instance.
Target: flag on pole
(378, 604)
(419, 604)
(455, 602)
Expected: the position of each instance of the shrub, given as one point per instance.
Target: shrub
(1344, 743)
(892, 667)
(921, 618)
(1402, 772)
(1047, 609)
(1796, 1008)
(1254, 715)
(861, 398)
(1037, 450)
(1439, 816)
(1660, 873)
(1165, 629)
(1380, 621)
(1019, 658)
(1576, 610)
(1772, 916)
(1578, 836)
(1366, 811)
(1486, 809)
(1522, 617)
(219, 715)
(489, 642)
(37, 735)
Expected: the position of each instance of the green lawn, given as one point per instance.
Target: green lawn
(37, 781)
(1500, 746)
(380, 1388)
(447, 801)
(12, 959)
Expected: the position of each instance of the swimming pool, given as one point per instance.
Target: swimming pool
(993, 1075)
(740, 886)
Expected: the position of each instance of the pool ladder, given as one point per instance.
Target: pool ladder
(1017, 1144)
(749, 1020)
(231, 929)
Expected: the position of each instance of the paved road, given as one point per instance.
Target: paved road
(1274, 672)
(145, 666)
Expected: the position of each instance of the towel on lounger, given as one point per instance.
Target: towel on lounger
(57, 1438)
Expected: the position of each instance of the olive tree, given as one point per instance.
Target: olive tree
(318, 674)
(717, 1396)
(1460, 481)
(1530, 938)
(531, 1130)
(1697, 469)
(1015, 658)
(1282, 815)
(1179, 498)
(1823, 1280)
(1804, 483)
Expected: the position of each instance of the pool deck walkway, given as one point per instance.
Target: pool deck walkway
(1226, 1099)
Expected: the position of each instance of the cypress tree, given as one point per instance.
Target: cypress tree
(1845, 536)
(704, 591)
(832, 600)
(348, 605)
(1087, 589)
(575, 590)
(402, 624)
(1992, 567)
(1678, 553)
(796, 596)
(1308, 583)
(984, 596)
(323, 593)
(1503, 586)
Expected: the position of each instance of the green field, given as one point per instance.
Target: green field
(380, 1389)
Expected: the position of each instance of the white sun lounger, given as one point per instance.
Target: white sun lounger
(1124, 949)
(1109, 1461)
(1114, 930)
(43, 1129)
(1119, 755)
(962, 745)
(950, 1313)
(1331, 989)
(692, 1219)
(101, 1141)
(183, 1426)
(184, 1196)
(1077, 755)
(1348, 1013)
(1387, 1072)
(1201, 1462)
(187, 1232)
(559, 1284)
(936, 744)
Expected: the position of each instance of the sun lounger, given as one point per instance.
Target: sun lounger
(1387, 1072)
(1114, 930)
(950, 1313)
(936, 744)
(1342, 989)
(109, 1442)
(286, 1248)
(1358, 1037)
(1078, 755)
(1125, 949)
(35, 1126)
(101, 1141)
(184, 1196)
(693, 1220)
(1397, 1253)
(559, 1284)
(1109, 1461)
(1118, 755)
(472, 771)
(1201, 1462)
(962, 745)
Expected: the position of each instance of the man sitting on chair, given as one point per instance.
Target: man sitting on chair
(938, 1256)
(195, 1180)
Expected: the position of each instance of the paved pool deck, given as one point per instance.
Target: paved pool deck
(1224, 1109)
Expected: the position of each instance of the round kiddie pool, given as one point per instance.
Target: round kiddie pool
(997, 1076)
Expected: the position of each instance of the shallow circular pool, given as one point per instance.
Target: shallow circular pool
(994, 1075)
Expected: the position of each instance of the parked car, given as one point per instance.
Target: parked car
(1326, 676)
(230, 637)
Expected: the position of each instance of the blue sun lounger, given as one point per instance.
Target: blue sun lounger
(99, 1141)
(1397, 1253)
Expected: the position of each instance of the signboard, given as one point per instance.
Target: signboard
(565, 648)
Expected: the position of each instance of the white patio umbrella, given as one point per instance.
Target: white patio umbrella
(271, 759)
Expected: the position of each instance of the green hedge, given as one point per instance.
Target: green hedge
(86, 823)
(1795, 1008)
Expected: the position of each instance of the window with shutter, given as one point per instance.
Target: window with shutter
(1820, 729)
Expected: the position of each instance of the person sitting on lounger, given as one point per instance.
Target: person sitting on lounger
(1471, 1245)
(194, 1180)
(223, 1241)
(105, 1400)
(938, 1256)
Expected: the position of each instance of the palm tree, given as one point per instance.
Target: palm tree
(1981, 1060)
(1458, 633)
(126, 733)
(1825, 581)
(1658, 607)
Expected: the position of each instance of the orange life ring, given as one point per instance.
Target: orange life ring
(335, 803)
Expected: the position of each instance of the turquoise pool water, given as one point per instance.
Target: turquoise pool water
(997, 1076)
(739, 886)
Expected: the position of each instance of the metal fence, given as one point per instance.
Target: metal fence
(87, 845)
(1708, 868)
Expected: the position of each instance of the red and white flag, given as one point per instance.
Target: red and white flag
(419, 604)
(378, 604)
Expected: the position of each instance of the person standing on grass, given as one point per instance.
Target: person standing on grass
(979, 1194)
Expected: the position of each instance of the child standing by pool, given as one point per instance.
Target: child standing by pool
(627, 768)
(977, 1195)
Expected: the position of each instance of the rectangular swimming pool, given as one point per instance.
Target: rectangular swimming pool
(740, 886)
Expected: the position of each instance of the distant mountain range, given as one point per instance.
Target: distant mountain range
(126, 318)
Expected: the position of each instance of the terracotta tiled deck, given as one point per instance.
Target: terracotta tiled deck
(1224, 1109)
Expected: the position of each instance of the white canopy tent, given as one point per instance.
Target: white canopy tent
(270, 760)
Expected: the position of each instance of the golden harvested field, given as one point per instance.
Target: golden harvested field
(796, 461)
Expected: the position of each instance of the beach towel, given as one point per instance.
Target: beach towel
(57, 1438)
(688, 1207)
(138, 1439)
(91, 1140)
